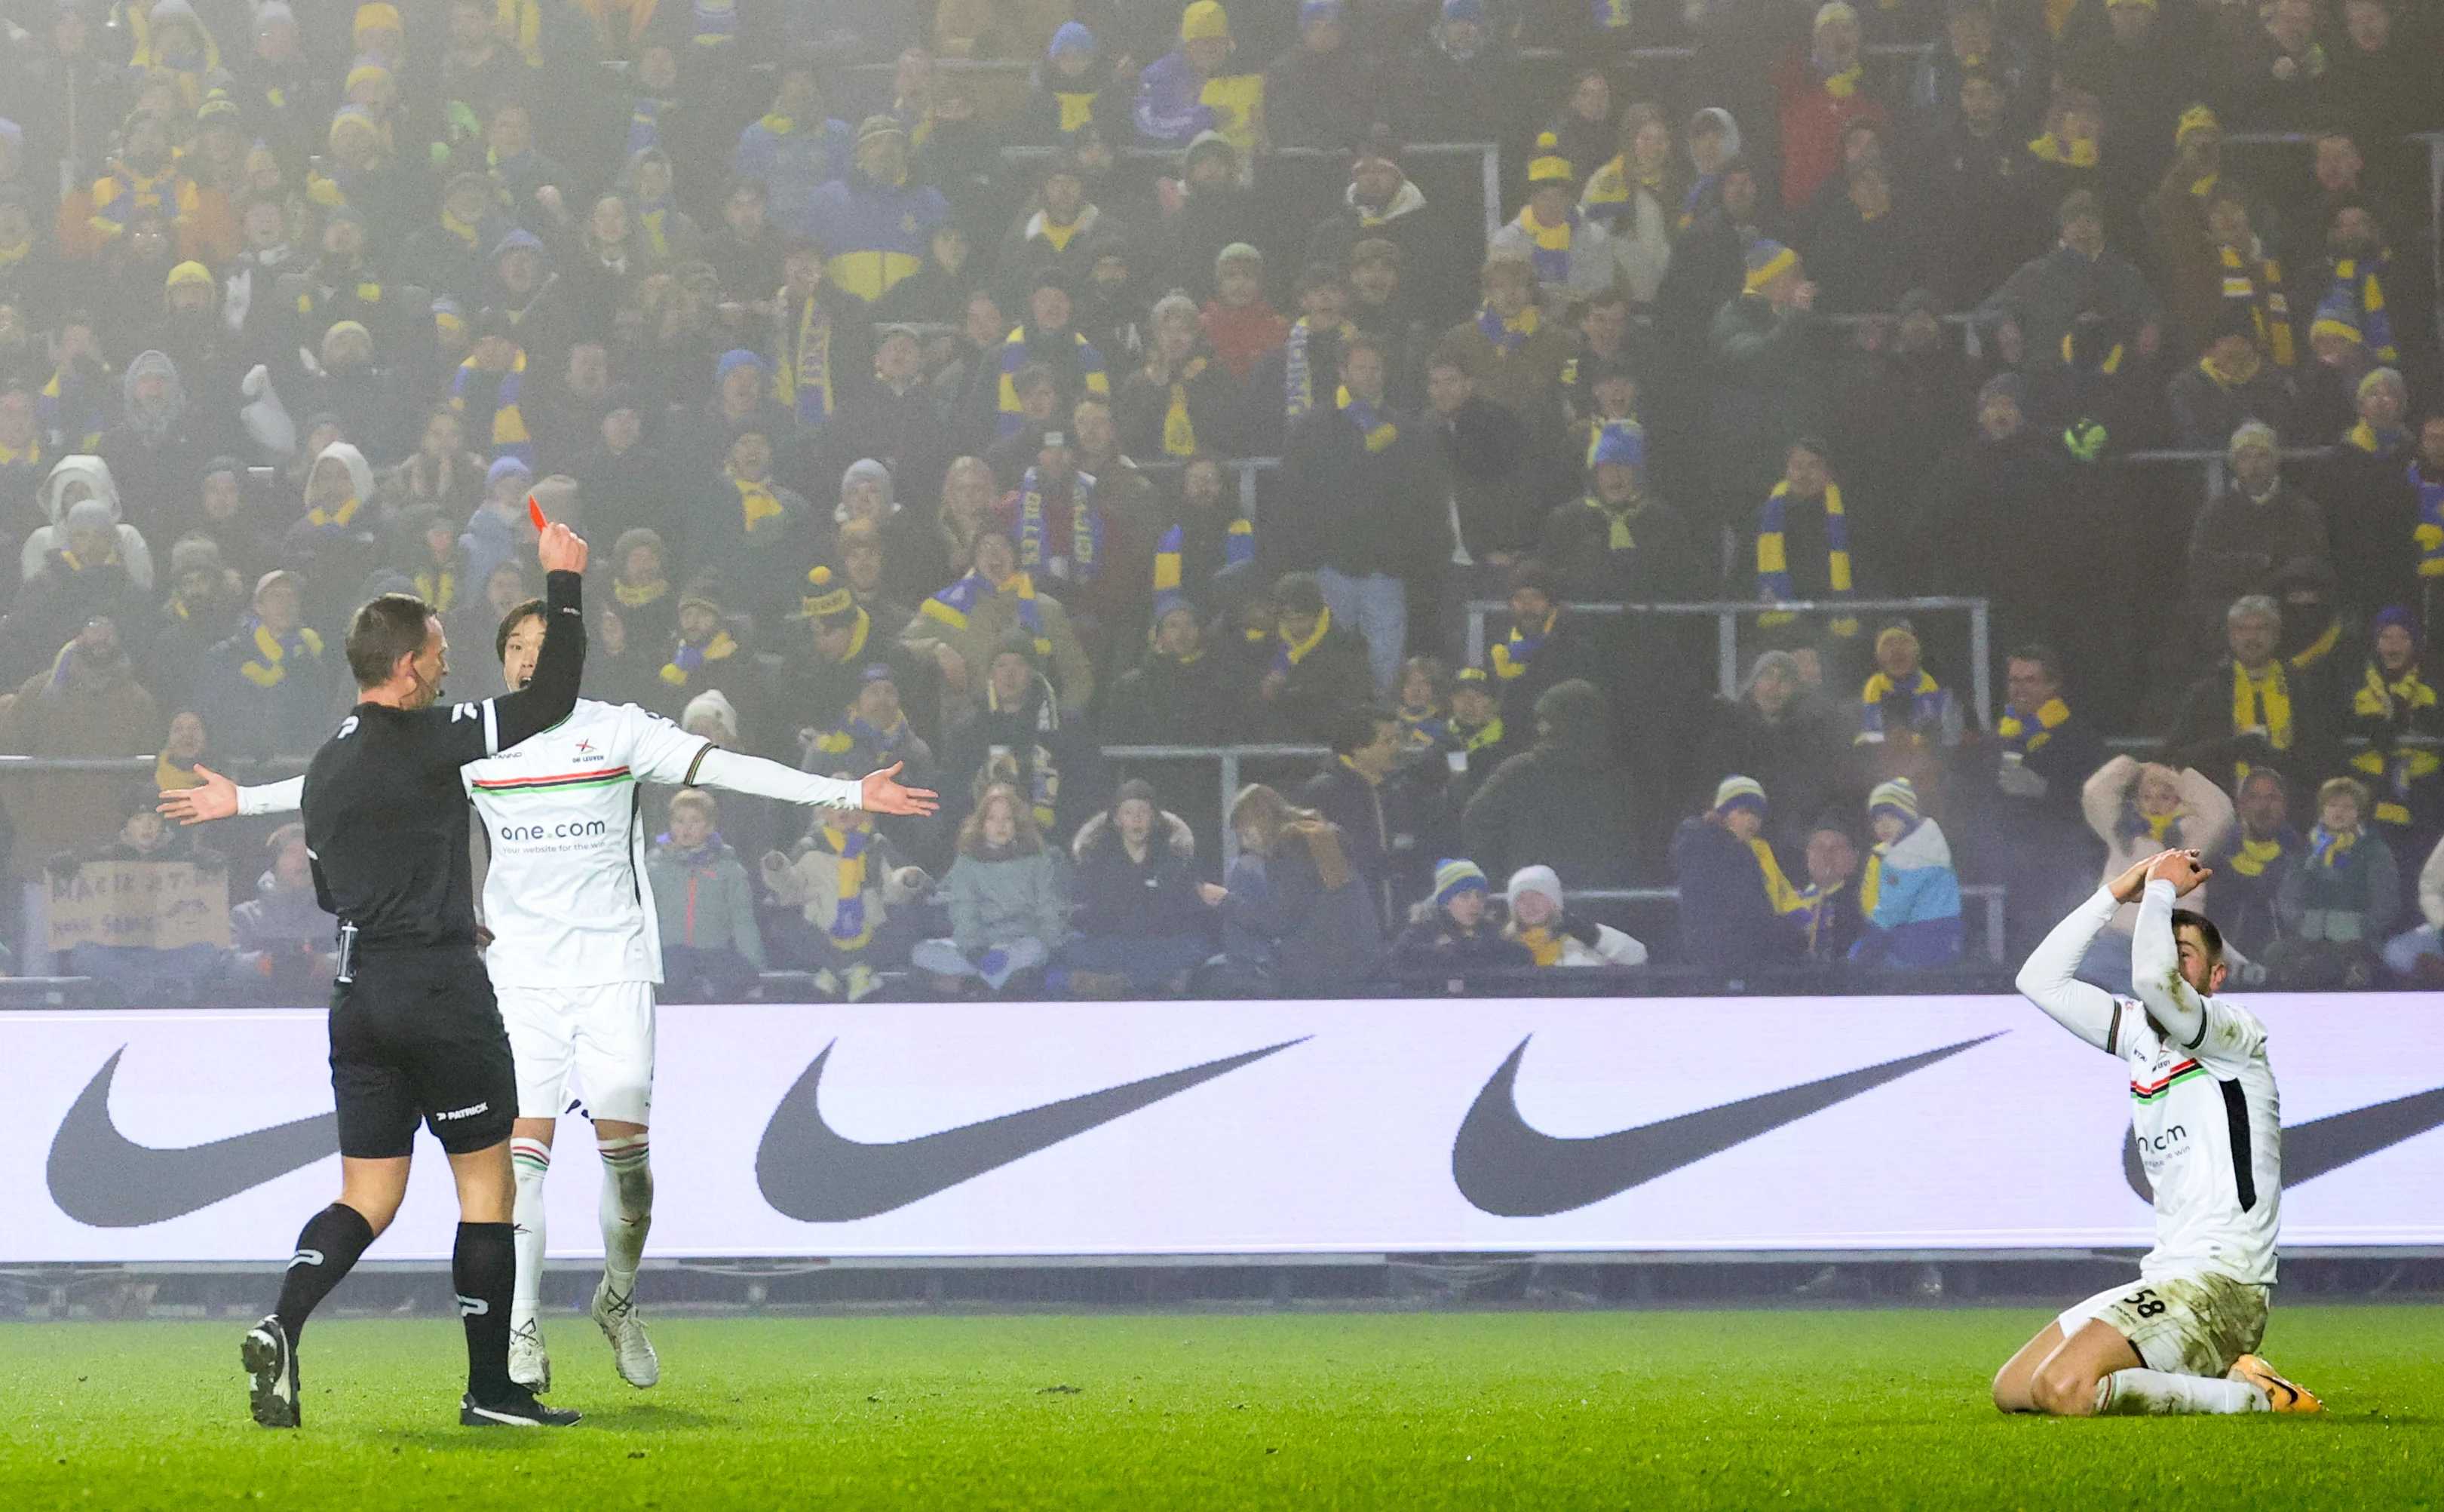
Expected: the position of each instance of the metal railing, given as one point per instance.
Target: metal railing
(1228, 757)
(1989, 893)
(1728, 613)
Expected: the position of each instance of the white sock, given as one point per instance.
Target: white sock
(530, 1161)
(627, 1208)
(2159, 1393)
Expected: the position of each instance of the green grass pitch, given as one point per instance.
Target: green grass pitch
(1619, 1409)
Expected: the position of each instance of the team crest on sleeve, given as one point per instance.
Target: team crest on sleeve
(348, 727)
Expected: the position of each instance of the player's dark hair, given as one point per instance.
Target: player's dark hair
(531, 609)
(2189, 919)
(384, 630)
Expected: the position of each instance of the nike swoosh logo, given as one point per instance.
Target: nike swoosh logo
(2313, 1149)
(816, 1177)
(101, 1178)
(1505, 1167)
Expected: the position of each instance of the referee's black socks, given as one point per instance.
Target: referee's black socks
(326, 1250)
(484, 1267)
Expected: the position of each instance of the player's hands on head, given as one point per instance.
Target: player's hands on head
(2182, 869)
(561, 549)
(2127, 887)
(216, 798)
(880, 794)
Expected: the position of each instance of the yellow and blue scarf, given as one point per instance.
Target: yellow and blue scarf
(1288, 653)
(1178, 426)
(953, 604)
(1512, 656)
(269, 666)
(1549, 246)
(1013, 357)
(757, 502)
(1298, 374)
(2389, 699)
(687, 659)
(1239, 548)
(2329, 850)
(1378, 431)
(2256, 286)
(2016, 734)
(2359, 283)
(1927, 701)
(1086, 530)
(508, 428)
(1506, 335)
(2261, 702)
(851, 930)
(802, 379)
(1773, 564)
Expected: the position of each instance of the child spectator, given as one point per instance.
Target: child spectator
(1552, 935)
(1451, 932)
(145, 975)
(2137, 811)
(1006, 897)
(846, 882)
(1910, 895)
(282, 935)
(1827, 917)
(2344, 895)
(711, 952)
(1140, 924)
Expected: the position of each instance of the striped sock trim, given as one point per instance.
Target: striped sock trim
(625, 1155)
(530, 1155)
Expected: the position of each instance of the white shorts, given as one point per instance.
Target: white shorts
(603, 1034)
(2193, 1324)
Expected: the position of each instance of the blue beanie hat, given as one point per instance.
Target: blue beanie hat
(1465, 11)
(2394, 614)
(1072, 34)
(1311, 11)
(736, 357)
(1621, 443)
(1452, 878)
(503, 467)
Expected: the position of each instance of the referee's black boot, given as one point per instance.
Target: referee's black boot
(519, 1409)
(271, 1362)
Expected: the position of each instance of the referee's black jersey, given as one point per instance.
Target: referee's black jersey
(386, 811)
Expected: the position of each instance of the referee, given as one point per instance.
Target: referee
(416, 1036)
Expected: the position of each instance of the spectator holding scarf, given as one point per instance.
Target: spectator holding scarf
(1803, 541)
(1734, 892)
(960, 627)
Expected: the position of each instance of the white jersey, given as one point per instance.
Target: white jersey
(2210, 1131)
(2204, 1109)
(565, 895)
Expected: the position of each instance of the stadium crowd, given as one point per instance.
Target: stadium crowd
(903, 396)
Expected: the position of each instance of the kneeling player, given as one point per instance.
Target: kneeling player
(2203, 1106)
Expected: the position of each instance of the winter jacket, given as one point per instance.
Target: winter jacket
(84, 708)
(1313, 911)
(1355, 509)
(281, 920)
(1163, 701)
(2356, 899)
(1434, 944)
(1132, 899)
(1912, 897)
(875, 234)
(1055, 761)
(1565, 801)
(2242, 546)
(996, 902)
(95, 475)
(703, 900)
(2048, 293)
(1728, 924)
(2204, 736)
(794, 164)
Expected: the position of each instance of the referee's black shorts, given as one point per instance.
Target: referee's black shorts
(418, 1038)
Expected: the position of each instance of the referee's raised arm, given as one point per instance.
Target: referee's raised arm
(552, 693)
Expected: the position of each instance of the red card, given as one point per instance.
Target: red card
(534, 512)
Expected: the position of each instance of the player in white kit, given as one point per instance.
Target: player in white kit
(575, 953)
(2210, 1131)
